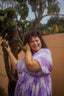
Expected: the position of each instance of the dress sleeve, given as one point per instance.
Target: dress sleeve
(45, 60)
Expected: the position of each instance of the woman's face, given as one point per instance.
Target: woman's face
(35, 44)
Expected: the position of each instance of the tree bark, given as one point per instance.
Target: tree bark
(11, 72)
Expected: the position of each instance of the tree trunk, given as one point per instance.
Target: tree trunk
(36, 23)
(13, 44)
(11, 72)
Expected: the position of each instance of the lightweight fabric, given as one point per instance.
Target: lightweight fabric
(35, 83)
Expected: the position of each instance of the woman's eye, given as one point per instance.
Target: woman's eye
(36, 40)
(32, 41)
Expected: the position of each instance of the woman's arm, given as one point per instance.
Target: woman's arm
(11, 57)
(31, 65)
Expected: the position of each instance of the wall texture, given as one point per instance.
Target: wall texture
(3, 75)
(55, 43)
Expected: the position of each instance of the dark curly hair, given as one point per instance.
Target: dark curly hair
(28, 35)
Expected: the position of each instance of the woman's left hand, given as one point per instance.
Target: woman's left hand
(28, 47)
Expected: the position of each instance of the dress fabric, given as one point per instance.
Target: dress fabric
(35, 83)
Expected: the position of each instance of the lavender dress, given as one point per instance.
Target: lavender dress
(35, 83)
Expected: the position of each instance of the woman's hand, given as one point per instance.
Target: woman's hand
(12, 58)
(6, 46)
(26, 47)
(31, 65)
(8, 49)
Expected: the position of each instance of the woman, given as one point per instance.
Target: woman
(35, 67)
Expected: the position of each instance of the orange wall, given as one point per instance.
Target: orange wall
(3, 76)
(55, 43)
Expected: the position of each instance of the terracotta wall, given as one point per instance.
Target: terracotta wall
(3, 76)
(56, 44)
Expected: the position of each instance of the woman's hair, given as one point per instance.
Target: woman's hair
(28, 35)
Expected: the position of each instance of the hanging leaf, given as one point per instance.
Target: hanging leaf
(56, 29)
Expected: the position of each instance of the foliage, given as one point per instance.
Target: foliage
(56, 29)
(38, 6)
(53, 6)
(54, 25)
(22, 10)
(7, 21)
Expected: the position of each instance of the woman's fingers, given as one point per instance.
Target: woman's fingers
(7, 48)
(27, 47)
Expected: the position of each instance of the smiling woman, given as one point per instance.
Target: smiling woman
(34, 33)
(35, 44)
(35, 67)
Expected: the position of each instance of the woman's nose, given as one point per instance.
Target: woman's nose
(35, 42)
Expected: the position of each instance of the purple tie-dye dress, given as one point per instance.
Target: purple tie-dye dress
(35, 83)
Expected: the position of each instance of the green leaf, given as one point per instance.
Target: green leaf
(1, 18)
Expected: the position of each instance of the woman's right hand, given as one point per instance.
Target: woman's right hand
(8, 49)
(12, 58)
(6, 46)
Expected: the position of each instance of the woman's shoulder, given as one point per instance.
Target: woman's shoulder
(45, 49)
(42, 51)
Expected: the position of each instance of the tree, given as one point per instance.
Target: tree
(39, 6)
(54, 25)
(9, 31)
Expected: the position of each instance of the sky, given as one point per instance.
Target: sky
(45, 19)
